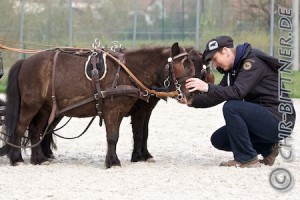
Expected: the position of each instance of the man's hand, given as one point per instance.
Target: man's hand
(194, 84)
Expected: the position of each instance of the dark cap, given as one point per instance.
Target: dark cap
(216, 44)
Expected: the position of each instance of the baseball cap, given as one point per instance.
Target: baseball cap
(216, 44)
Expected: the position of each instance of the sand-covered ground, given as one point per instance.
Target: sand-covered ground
(186, 164)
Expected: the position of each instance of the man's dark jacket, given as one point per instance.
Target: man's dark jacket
(255, 80)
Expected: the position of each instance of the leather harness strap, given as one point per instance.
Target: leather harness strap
(122, 59)
(96, 81)
(85, 101)
(54, 106)
(120, 90)
(124, 89)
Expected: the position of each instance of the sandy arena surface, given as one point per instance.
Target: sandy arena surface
(186, 167)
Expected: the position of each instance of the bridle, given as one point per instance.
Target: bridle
(175, 73)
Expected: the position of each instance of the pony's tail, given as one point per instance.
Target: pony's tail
(12, 107)
(2, 149)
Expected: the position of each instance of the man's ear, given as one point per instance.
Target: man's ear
(225, 50)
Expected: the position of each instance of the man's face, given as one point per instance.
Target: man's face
(222, 59)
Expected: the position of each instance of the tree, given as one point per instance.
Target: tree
(257, 12)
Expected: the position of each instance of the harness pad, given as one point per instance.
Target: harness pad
(100, 65)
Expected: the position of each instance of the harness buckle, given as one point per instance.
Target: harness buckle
(95, 72)
(167, 82)
(146, 93)
(96, 96)
(103, 95)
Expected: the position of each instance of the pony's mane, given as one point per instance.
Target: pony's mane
(147, 56)
(149, 50)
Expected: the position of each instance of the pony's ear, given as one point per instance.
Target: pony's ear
(175, 49)
(193, 54)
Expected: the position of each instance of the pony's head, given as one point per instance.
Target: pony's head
(182, 67)
(189, 65)
(202, 68)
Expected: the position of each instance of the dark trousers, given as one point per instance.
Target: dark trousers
(250, 130)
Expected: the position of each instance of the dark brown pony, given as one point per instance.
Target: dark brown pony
(29, 93)
(141, 112)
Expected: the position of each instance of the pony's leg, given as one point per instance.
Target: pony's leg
(14, 153)
(35, 129)
(47, 142)
(6, 147)
(140, 121)
(112, 123)
(146, 155)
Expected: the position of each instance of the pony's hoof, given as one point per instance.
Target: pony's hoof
(39, 161)
(18, 164)
(137, 157)
(147, 155)
(51, 157)
(112, 162)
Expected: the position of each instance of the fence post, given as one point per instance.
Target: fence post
(134, 23)
(1, 65)
(197, 35)
(70, 24)
(22, 2)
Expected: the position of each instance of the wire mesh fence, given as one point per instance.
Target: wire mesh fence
(49, 23)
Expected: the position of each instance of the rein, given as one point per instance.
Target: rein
(71, 138)
(25, 146)
(26, 51)
(45, 133)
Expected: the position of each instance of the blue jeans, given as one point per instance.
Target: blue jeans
(250, 130)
